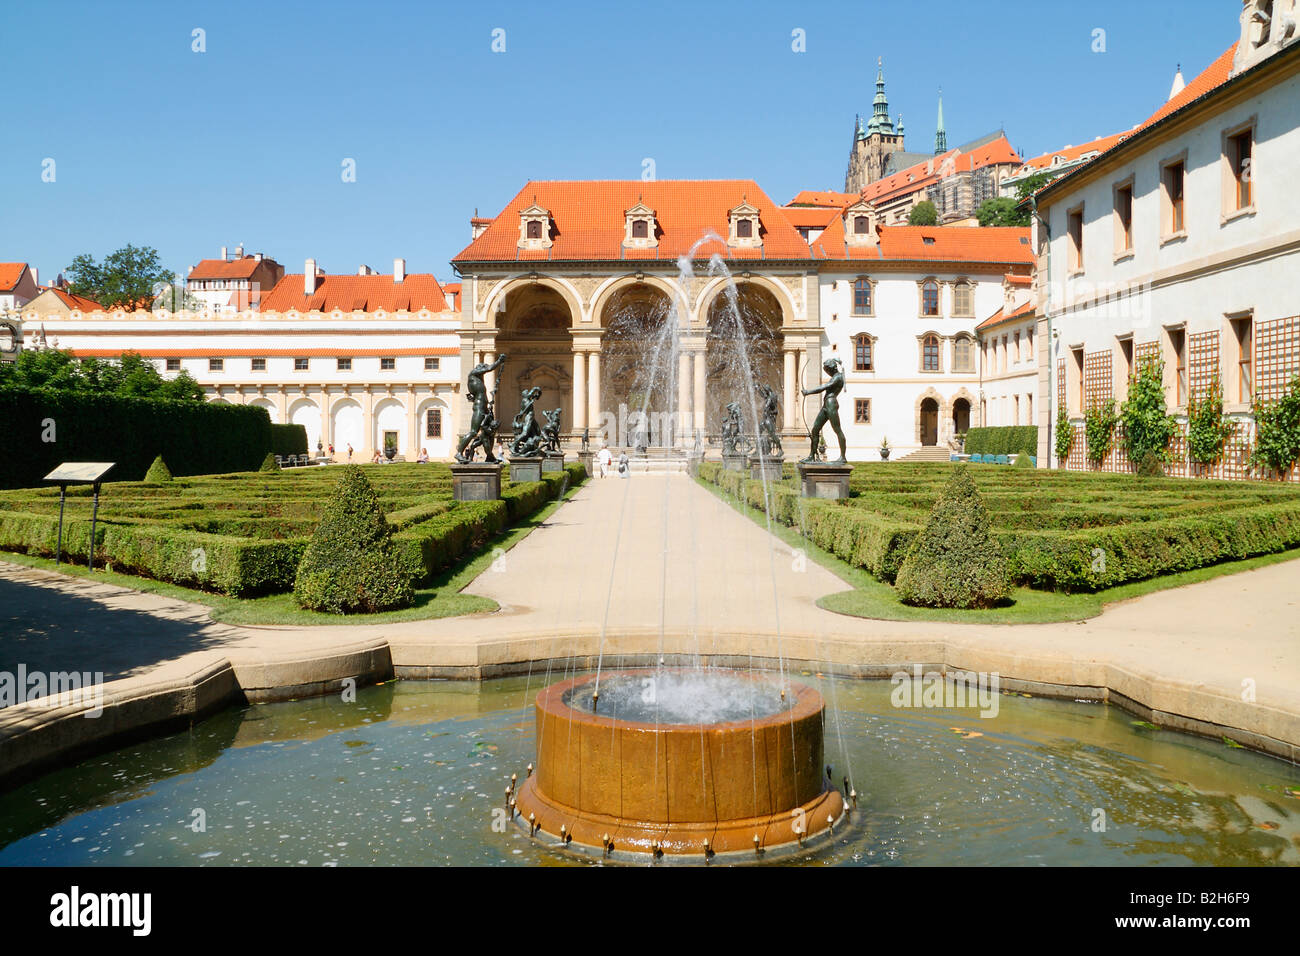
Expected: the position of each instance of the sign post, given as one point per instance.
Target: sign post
(79, 473)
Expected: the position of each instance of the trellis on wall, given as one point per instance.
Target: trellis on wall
(1277, 356)
(1097, 386)
(1204, 361)
(1145, 352)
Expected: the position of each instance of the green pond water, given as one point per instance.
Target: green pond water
(411, 773)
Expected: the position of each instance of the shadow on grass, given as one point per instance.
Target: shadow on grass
(871, 598)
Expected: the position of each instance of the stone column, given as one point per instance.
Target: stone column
(325, 436)
(412, 427)
(593, 390)
(684, 416)
(368, 418)
(791, 387)
(579, 390)
(699, 401)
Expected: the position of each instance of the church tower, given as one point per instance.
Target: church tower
(940, 134)
(873, 144)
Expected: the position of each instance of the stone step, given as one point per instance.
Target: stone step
(928, 453)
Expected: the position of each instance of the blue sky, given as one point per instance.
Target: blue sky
(158, 145)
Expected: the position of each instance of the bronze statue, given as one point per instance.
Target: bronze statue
(483, 425)
(830, 411)
(731, 425)
(528, 434)
(551, 432)
(586, 439)
(769, 442)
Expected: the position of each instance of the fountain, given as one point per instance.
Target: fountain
(679, 762)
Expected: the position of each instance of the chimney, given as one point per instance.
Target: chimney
(223, 253)
(309, 278)
(399, 270)
(36, 275)
(239, 251)
(257, 257)
(365, 270)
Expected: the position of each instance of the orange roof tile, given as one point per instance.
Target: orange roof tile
(588, 221)
(260, 353)
(1099, 145)
(11, 273)
(349, 292)
(998, 317)
(810, 217)
(77, 301)
(1018, 279)
(825, 197)
(914, 177)
(242, 268)
(931, 243)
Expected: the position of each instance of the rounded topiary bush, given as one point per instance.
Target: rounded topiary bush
(158, 472)
(1025, 461)
(351, 564)
(1150, 465)
(269, 463)
(954, 561)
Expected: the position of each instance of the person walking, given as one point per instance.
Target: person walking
(603, 460)
(349, 451)
(622, 464)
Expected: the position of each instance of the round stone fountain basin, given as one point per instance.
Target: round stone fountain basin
(676, 758)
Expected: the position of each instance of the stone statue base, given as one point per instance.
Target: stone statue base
(588, 459)
(733, 462)
(693, 460)
(818, 479)
(476, 481)
(765, 469)
(526, 469)
(552, 462)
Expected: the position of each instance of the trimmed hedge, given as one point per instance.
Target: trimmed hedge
(288, 440)
(1002, 440)
(44, 428)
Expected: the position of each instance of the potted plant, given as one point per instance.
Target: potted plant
(390, 449)
(884, 449)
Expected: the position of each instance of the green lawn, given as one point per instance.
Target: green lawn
(875, 598)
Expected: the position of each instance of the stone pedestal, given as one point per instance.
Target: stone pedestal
(526, 469)
(765, 469)
(822, 480)
(588, 459)
(693, 464)
(476, 481)
(552, 463)
(733, 462)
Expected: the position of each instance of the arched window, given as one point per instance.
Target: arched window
(640, 229)
(963, 358)
(861, 225)
(862, 357)
(862, 297)
(534, 229)
(744, 229)
(930, 353)
(929, 297)
(963, 299)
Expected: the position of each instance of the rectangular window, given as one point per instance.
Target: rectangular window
(744, 229)
(963, 357)
(534, 229)
(1124, 218)
(216, 365)
(1076, 373)
(431, 365)
(640, 229)
(300, 365)
(433, 423)
(1074, 231)
(1172, 187)
(1016, 354)
(962, 300)
(862, 411)
(1029, 408)
(259, 365)
(862, 297)
(1242, 333)
(173, 365)
(1178, 349)
(387, 364)
(1239, 162)
(344, 365)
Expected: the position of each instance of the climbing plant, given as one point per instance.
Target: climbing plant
(1148, 427)
(1099, 429)
(1064, 436)
(1207, 428)
(1277, 430)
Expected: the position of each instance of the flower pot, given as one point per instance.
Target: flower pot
(390, 452)
(884, 454)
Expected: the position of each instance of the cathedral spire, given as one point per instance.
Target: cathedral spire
(880, 122)
(940, 134)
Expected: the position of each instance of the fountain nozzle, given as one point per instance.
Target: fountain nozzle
(530, 770)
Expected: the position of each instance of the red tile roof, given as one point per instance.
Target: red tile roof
(914, 177)
(588, 221)
(11, 273)
(242, 268)
(998, 317)
(810, 217)
(1099, 145)
(1018, 279)
(825, 197)
(77, 301)
(259, 353)
(933, 243)
(349, 292)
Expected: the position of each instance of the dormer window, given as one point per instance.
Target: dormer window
(639, 231)
(535, 227)
(860, 224)
(745, 228)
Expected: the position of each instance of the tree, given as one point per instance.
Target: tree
(173, 297)
(1002, 212)
(1027, 187)
(130, 375)
(125, 279)
(1148, 427)
(923, 214)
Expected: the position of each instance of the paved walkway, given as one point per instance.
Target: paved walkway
(655, 564)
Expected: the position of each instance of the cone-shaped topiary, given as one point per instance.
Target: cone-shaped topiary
(1025, 461)
(351, 564)
(158, 472)
(954, 562)
(269, 463)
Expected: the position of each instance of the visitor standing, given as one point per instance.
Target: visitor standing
(622, 464)
(604, 459)
(349, 451)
